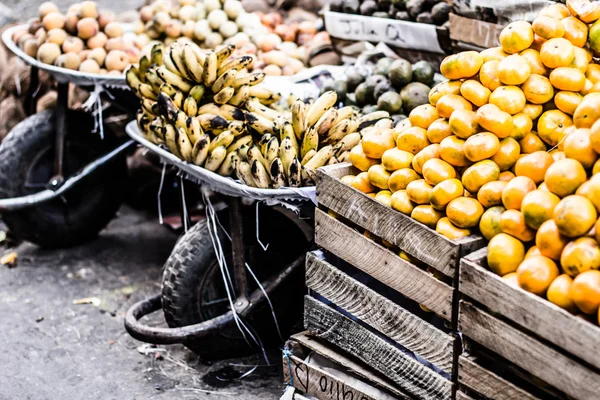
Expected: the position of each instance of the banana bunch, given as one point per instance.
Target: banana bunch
(208, 110)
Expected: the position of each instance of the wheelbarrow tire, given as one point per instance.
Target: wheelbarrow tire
(28, 150)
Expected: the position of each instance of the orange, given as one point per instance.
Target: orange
(509, 99)
(401, 202)
(588, 111)
(477, 175)
(567, 78)
(581, 60)
(535, 274)
(511, 279)
(549, 241)
(531, 143)
(538, 207)
(463, 123)
(347, 179)
(542, 186)
(384, 197)
(395, 159)
(535, 61)
(401, 178)
(551, 126)
(534, 165)
(426, 215)
(593, 72)
(537, 89)
(376, 141)
(547, 27)
(489, 224)
(556, 11)
(371, 195)
(538, 42)
(481, 146)
(475, 92)
(490, 194)
(532, 252)
(516, 37)
(567, 102)
(505, 253)
(589, 87)
(506, 176)
(462, 65)
(451, 151)
(513, 70)
(574, 216)
(442, 89)
(595, 136)
(429, 152)
(593, 191)
(494, 53)
(378, 176)
(512, 223)
(359, 159)
(564, 177)
(492, 119)
(444, 192)
(522, 126)
(507, 154)
(578, 146)
(451, 102)
(423, 115)
(488, 75)
(585, 291)
(419, 191)
(576, 31)
(596, 167)
(585, 10)
(464, 212)
(361, 182)
(413, 139)
(580, 255)
(557, 53)
(438, 130)
(436, 171)
(515, 191)
(445, 227)
(557, 155)
(533, 111)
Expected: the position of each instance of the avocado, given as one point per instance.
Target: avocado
(351, 6)
(380, 14)
(336, 5)
(350, 100)
(368, 7)
(369, 109)
(423, 72)
(390, 102)
(382, 87)
(413, 95)
(353, 78)
(383, 65)
(425, 18)
(328, 85)
(415, 7)
(364, 94)
(440, 13)
(400, 73)
(341, 88)
(438, 78)
(384, 5)
(373, 80)
(402, 16)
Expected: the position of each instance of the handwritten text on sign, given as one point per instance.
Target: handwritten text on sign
(404, 34)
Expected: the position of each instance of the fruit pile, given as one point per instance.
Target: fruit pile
(208, 110)
(471, 160)
(83, 39)
(425, 11)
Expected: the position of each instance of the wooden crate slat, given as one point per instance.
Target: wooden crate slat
(413, 377)
(575, 335)
(462, 396)
(380, 313)
(383, 265)
(542, 361)
(487, 383)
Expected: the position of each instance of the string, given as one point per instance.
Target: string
(257, 230)
(160, 188)
(184, 205)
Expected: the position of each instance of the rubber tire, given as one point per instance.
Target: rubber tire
(54, 224)
(191, 258)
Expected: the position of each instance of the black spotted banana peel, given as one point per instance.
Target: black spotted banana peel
(237, 128)
(343, 113)
(325, 123)
(190, 107)
(286, 154)
(309, 142)
(248, 79)
(166, 108)
(174, 80)
(239, 142)
(238, 63)
(259, 123)
(319, 107)
(308, 157)
(132, 78)
(271, 149)
(299, 118)
(339, 131)
(200, 151)
(183, 144)
(215, 158)
(224, 53)
(255, 106)
(209, 74)
(371, 119)
(167, 89)
(156, 126)
(241, 96)
(192, 65)
(178, 99)
(169, 133)
(244, 173)
(243, 152)
(347, 143)
(150, 106)
(194, 130)
(224, 95)
(294, 173)
(263, 142)
(265, 95)
(153, 79)
(224, 138)
(181, 120)
(212, 122)
(255, 154)
(277, 175)
(224, 80)
(231, 113)
(229, 164)
(260, 175)
(143, 123)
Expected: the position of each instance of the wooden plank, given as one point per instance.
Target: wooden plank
(462, 396)
(487, 383)
(416, 239)
(383, 265)
(413, 377)
(573, 334)
(339, 170)
(357, 369)
(540, 360)
(380, 313)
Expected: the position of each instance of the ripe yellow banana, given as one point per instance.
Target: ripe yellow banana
(240, 97)
(320, 107)
(142, 68)
(200, 152)
(153, 79)
(259, 123)
(173, 79)
(156, 126)
(190, 107)
(255, 154)
(345, 156)
(248, 79)
(178, 99)
(209, 75)
(225, 138)
(230, 112)
(255, 106)
(237, 128)
(224, 53)
(197, 92)
(308, 157)
(224, 80)
(150, 106)
(277, 174)
(183, 144)
(319, 159)
(262, 143)
(339, 131)
(215, 158)
(194, 130)
(191, 63)
(287, 154)
(371, 119)
(167, 89)
(181, 120)
(260, 175)
(239, 63)
(146, 91)
(229, 164)
(244, 173)
(271, 149)
(156, 54)
(212, 122)
(177, 57)
(224, 95)
(143, 122)
(309, 142)
(325, 123)
(239, 142)
(347, 143)
(294, 173)
(243, 152)
(265, 95)
(168, 63)
(299, 118)
(343, 114)
(131, 76)
(169, 134)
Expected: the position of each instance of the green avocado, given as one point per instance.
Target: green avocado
(364, 94)
(390, 102)
(400, 73)
(423, 72)
(383, 65)
(413, 95)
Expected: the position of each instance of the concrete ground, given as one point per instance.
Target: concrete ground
(52, 348)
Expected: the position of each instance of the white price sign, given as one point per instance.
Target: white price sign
(403, 34)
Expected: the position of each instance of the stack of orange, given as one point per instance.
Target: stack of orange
(471, 159)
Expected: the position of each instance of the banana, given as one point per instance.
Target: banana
(230, 112)
(240, 97)
(168, 63)
(343, 114)
(169, 134)
(262, 143)
(299, 118)
(339, 131)
(308, 156)
(190, 107)
(224, 95)
(225, 138)
(386, 123)
(309, 142)
(177, 57)
(229, 164)
(209, 108)
(142, 67)
(237, 128)
(181, 120)
(183, 144)
(294, 173)
(216, 158)
(259, 123)
(345, 156)
(319, 159)
(244, 173)
(265, 95)
(243, 152)
(277, 175)
(287, 131)
(167, 89)
(178, 99)
(209, 74)
(286, 154)
(156, 126)
(224, 80)
(200, 56)
(143, 122)
(194, 130)
(150, 106)
(239, 63)
(224, 53)
(371, 119)
(346, 144)
(320, 107)
(173, 79)
(197, 92)
(248, 79)
(156, 54)
(131, 76)
(200, 151)
(146, 91)
(325, 123)
(192, 65)
(211, 122)
(271, 150)
(255, 154)
(153, 79)
(260, 175)
(255, 106)
(239, 142)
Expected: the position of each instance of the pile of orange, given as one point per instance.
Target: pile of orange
(509, 146)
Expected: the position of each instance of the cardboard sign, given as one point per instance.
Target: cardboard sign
(403, 34)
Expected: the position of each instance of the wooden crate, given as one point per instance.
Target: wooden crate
(539, 337)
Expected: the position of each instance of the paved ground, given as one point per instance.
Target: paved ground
(53, 349)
